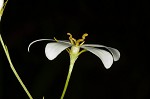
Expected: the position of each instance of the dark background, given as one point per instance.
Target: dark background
(119, 24)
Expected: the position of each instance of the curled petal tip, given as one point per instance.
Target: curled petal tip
(28, 50)
(38, 41)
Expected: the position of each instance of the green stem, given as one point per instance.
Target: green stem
(13, 69)
(68, 77)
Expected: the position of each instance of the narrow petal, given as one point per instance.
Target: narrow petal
(105, 56)
(115, 52)
(65, 41)
(52, 50)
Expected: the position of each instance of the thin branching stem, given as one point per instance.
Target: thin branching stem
(13, 69)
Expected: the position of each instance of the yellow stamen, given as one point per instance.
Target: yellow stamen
(81, 41)
(55, 39)
(78, 42)
(72, 40)
(68, 50)
(84, 35)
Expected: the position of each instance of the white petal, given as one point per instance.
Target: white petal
(105, 56)
(1, 4)
(115, 52)
(52, 50)
(65, 41)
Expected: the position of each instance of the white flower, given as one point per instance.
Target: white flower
(53, 49)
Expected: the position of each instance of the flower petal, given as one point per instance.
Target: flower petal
(65, 41)
(105, 56)
(1, 4)
(115, 52)
(52, 50)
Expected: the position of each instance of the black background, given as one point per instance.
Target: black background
(120, 24)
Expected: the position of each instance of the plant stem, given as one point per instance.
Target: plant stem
(68, 77)
(13, 69)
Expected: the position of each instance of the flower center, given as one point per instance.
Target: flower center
(78, 42)
(75, 49)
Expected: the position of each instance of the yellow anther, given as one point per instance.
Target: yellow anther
(81, 41)
(84, 35)
(69, 35)
(78, 42)
(72, 40)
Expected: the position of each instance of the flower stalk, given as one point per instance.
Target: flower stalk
(67, 81)
(72, 61)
